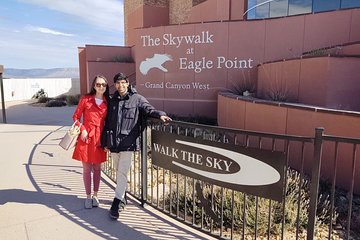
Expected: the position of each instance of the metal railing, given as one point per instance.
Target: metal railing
(304, 211)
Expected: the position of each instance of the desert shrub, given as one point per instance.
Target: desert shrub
(43, 100)
(126, 59)
(40, 94)
(296, 204)
(55, 103)
(73, 99)
(61, 97)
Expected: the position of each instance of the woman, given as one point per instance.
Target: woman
(92, 108)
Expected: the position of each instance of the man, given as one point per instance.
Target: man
(122, 130)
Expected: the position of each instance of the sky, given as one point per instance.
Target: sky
(47, 33)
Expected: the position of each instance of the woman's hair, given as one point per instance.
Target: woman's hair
(93, 91)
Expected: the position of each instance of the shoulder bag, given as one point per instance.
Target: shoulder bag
(71, 135)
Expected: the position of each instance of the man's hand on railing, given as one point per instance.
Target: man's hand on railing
(165, 119)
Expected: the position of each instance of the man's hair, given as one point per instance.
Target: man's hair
(120, 76)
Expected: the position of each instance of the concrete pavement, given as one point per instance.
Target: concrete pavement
(42, 193)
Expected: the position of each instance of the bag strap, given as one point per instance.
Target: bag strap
(75, 124)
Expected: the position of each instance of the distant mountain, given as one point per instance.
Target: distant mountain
(41, 73)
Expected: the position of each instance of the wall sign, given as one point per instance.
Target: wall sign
(158, 60)
(253, 171)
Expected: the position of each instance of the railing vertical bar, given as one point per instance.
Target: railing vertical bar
(257, 202)
(299, 192)
(177, 196)
(244, 218)
(163, 192)
(152, 182)
(202, 208)
(193, 197)
(273, 146)
(170, 190)
(287, 147)
(142, 164)
(185, 193)
(157, 187)
(256, 216)
(185, 185)
(212, 208)
(232, 213)
(269, 220)
(222, 212)
(351, 192)
(177, 185)
(315, 177)
(333, 184)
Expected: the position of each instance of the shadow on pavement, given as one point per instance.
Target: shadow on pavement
(58, 183)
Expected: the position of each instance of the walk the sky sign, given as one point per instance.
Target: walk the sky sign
(249, 170)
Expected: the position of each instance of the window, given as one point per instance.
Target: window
(258, 9)
(325, 5)
(299, 6)
(279, 8)
(350, 3)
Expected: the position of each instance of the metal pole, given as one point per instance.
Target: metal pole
(2, 94)
(144, 154)
(315, 183)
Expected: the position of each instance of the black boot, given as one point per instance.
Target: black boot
(114, 210)
(122, 205)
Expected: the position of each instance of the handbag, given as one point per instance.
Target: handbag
(70, 137)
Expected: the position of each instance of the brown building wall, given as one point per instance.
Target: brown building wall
(211, 10)
(330, 82)
(83, 70)
(99, 60)
(257, 115)
(218, 10)
(256, 41)
(129, 7)
(144, 13)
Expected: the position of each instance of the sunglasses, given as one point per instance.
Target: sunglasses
(100, 84)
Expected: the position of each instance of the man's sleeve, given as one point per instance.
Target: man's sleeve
(148, 109)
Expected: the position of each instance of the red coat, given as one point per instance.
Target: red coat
(93, 118)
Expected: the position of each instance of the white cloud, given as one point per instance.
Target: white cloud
(105, 14)
(48, 31)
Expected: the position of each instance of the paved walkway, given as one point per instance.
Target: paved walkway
(41, 189)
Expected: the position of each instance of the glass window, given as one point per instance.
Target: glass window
(279, 8)
(262, 11)
(258, 9)
(325, 5)
(350, 3)
(299, 6)
(251, 9)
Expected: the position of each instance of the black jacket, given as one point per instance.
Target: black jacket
(123, 121)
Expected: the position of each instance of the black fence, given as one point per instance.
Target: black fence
(300, 200)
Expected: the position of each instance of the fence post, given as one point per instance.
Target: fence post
(315, 177)
(143, 154)
(2, 94)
